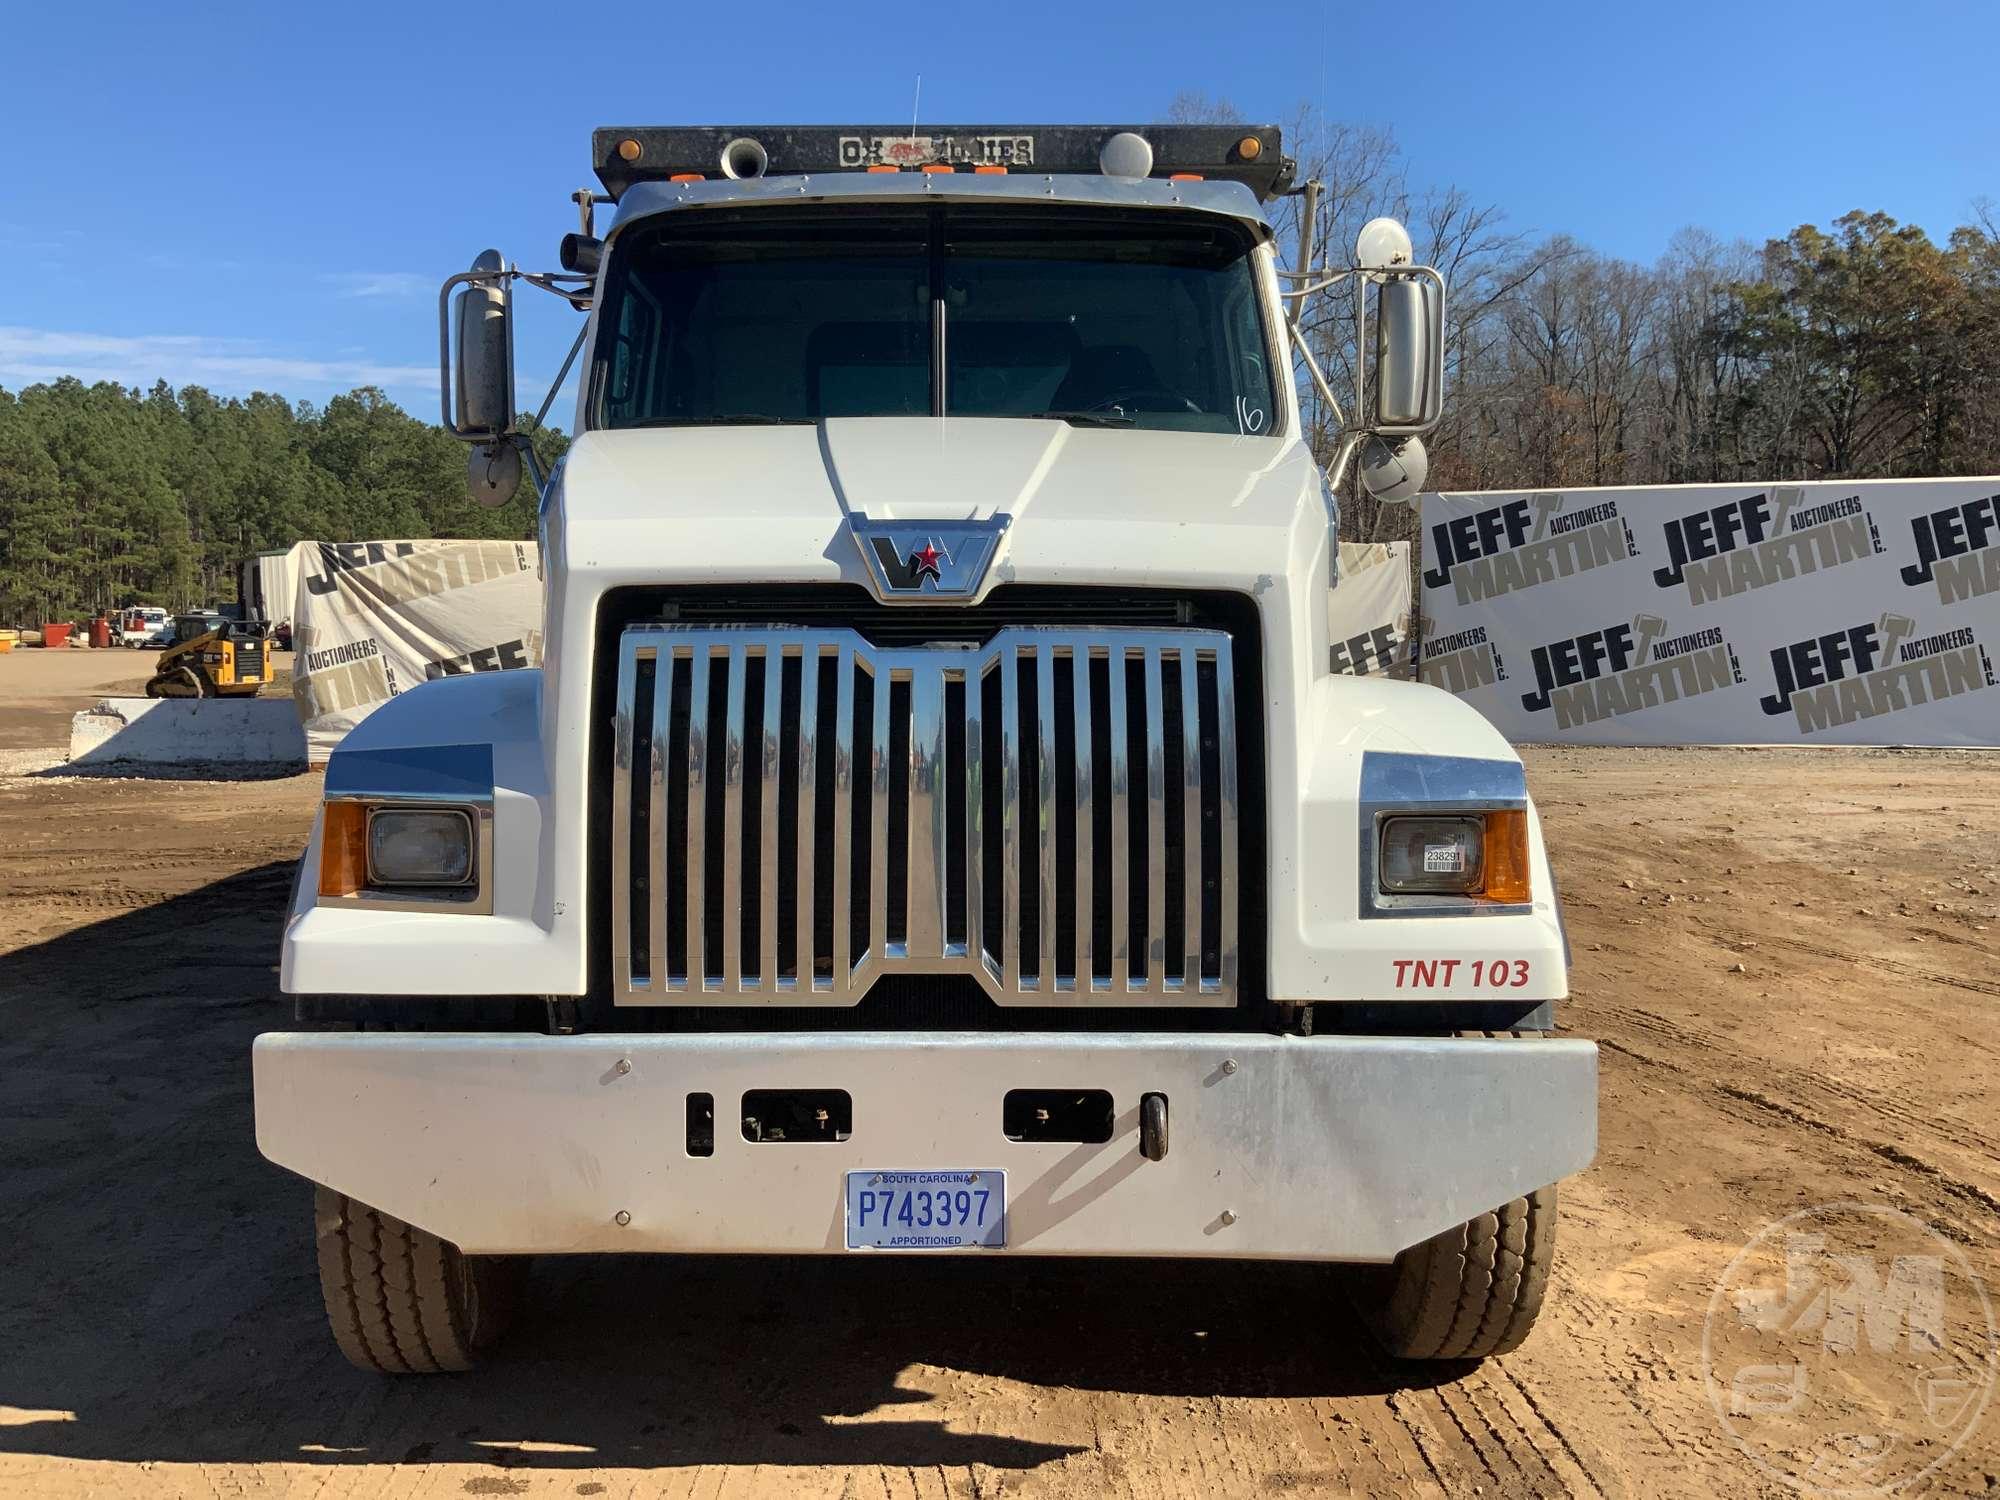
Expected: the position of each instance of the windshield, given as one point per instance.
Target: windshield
(1096, 318)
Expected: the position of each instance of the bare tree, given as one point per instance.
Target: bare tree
(1864, 348)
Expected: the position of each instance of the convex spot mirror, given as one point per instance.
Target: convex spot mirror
(493, 473)
(1393, 470)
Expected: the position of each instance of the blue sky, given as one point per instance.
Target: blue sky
(265, 197)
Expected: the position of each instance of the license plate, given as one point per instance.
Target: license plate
(926, 1210)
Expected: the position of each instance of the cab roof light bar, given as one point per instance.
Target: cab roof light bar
(628, 154)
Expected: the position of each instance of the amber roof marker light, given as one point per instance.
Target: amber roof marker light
(629, 149)
(1249, 148)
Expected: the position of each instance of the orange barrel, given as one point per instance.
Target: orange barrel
(56, 635)
(100, 633)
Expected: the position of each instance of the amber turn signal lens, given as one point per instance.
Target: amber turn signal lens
(343, 849)
(1507, 856)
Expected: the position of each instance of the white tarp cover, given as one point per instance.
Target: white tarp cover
(1368, 611)
(373, 618)
(1830, 613)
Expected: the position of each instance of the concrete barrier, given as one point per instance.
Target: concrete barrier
(263, 732)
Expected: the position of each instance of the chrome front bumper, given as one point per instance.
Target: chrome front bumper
(1320, 1148)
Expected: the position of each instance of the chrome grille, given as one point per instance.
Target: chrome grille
(796, 811)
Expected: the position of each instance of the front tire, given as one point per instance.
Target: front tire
(400, 1300)
(1472, 1291)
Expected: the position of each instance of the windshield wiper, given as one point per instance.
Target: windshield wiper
(1112, 418)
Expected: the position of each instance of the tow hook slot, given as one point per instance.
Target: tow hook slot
(701, 1125)
(1057, 1115)
(1153, 1127)
(792, 1116)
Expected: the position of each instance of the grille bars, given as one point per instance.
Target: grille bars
(1055, 797)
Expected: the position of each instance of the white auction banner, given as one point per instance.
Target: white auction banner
(371, 619)
(1830, 613)
(1368, 610)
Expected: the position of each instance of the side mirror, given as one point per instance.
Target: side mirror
(1409, 352)
(479, 401)
(485, 358)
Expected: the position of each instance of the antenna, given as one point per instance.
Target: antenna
(916, 105)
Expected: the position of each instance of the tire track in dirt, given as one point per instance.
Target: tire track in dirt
(1957, 1187)
(1759, 1107)
(1531, 1417)
(1889, 966)
(1782, 1086)
(1891, 1108)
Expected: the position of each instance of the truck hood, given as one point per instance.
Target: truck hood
(1088, 505)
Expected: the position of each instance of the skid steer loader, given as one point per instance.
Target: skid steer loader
(213, 658)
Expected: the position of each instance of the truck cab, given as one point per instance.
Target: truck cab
(936, 826)
(139, 623)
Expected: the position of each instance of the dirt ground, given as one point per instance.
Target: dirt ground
(1788, 958)
(41, 688)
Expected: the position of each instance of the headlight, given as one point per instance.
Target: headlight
(416, 846)
(1461, 854)
(1432, 856)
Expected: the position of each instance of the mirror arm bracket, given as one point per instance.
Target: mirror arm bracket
(537, 475)
(561, 375)
(1336, 469)
(1308, 226)
(577, 296)
(1319, 381)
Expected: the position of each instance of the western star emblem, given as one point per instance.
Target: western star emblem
(925, 560)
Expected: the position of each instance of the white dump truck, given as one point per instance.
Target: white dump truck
(936, 827)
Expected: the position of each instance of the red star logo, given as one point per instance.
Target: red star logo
(925, 560)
